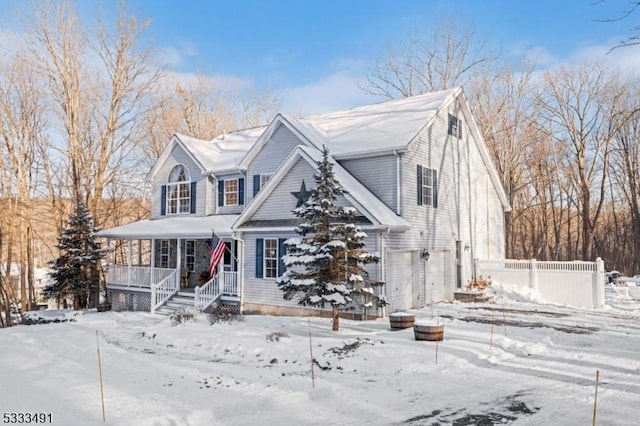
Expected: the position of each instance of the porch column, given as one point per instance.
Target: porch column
(129, 250)
(221, 276)
(139, 252)
(240, 276)
(179, 264)
(179, 255)
(153, 260)
(234, 259)
(110, 260)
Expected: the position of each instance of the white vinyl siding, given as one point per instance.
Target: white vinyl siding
(272, 154)
(378, 174)
(281, 201)
(468, 210)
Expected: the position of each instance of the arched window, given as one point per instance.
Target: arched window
(179, 191)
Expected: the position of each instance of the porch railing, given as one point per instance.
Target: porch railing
(136, 276)
(209, 292)
(163, 291)
(230, 283)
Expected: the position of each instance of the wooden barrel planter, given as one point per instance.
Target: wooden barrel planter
(401, 320)
(431, 332)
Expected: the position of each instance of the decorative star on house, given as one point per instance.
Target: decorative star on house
(301, 196)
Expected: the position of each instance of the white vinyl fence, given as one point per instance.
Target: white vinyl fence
(577, 283)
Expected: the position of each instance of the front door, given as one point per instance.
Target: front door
(230, 260)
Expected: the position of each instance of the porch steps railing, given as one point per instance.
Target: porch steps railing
(208, 293)
(164, 290)
(202, 297)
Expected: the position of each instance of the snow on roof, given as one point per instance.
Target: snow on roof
(174, 227)
(379, 126)
(223, 152)
(370, 128)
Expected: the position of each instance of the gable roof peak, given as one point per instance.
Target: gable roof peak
(356, 193)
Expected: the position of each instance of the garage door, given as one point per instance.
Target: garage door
(399, 280)
(435, 277)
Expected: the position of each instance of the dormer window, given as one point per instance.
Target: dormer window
(178, 191)
(230, 192)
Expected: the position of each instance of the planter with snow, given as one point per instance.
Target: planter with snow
(401, 320)
(428, 330)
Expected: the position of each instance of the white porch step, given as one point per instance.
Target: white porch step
(186, 300)
(181, 300)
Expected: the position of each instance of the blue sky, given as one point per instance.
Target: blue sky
(313, 52)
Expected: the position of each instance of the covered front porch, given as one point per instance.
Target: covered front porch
(152, 261)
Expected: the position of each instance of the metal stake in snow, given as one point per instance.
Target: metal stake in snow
(504, 318)
(491, 336)
(595, 401)
(313, 380)
(100, 372)
(437, 323)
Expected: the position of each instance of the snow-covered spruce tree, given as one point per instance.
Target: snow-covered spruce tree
(325, 266)
(75, 271)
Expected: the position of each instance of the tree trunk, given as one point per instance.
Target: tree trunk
(30, 269)
(336, 318)
(4, 294)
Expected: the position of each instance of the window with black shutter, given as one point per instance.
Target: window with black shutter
(427, 187)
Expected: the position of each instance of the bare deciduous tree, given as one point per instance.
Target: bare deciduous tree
(21, 132)
(98, 87)
(506, 116)
(625, 170)
(203, 109)
(448, 57)
(632, 7)
(584, 106)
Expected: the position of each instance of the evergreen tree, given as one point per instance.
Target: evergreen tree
(325, 266)
(75, 271)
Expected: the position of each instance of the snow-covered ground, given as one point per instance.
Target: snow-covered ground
(515, 361)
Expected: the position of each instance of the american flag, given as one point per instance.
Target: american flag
(216, 254)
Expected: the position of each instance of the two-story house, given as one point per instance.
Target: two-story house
(416, 170)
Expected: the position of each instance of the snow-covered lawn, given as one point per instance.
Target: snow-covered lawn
(509, 362)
